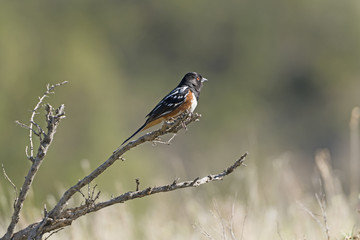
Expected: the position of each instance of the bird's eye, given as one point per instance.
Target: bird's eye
(198, 78)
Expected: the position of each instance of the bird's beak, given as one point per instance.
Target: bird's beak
(203, 79)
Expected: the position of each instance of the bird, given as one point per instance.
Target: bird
(182, 98)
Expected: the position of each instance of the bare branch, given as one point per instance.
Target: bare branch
(61, 216)
(67, 216)
(34, 112)
(53, 120)
(168, 127)
(170, 187)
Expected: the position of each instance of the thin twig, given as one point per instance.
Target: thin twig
(11, 182)
(26, 127)
(56, 231)
(168, 142)
(40, 130)
(27, 153)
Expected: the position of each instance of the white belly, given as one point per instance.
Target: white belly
(193, 104)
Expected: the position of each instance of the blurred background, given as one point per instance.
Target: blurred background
(284, 77)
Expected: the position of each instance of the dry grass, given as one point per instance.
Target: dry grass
(282, 210)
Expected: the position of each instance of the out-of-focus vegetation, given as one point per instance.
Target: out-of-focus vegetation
(283, 79)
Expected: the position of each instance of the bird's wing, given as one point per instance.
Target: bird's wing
(169, 103)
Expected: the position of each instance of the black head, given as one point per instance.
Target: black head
(193, 80)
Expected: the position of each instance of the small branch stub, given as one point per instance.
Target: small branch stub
(137, 184)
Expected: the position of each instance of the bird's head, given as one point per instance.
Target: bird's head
(193, 80)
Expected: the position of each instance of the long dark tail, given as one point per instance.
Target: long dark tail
(141, 128)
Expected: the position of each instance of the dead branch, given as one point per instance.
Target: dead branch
(61, 215)
(168, 127)
(53, 119)
(67, 216)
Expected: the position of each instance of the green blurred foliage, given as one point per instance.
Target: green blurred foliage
(283, 76)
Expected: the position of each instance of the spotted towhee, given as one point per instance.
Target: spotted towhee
(183, 98)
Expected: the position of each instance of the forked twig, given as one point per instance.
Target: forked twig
(53, 119)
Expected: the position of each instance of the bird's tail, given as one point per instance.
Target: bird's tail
(141, 128)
